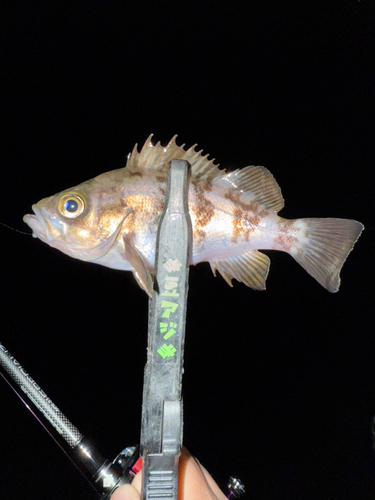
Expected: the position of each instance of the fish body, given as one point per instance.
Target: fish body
(113, 219)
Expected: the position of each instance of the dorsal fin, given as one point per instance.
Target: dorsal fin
(256, 183)
(157, 157)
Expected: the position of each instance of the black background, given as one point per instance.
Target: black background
(279, 386)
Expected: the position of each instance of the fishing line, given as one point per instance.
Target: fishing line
(17, 230)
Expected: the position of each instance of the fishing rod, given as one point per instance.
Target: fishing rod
(103, 475)
(162, 415)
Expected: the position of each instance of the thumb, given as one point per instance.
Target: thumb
(126, 492)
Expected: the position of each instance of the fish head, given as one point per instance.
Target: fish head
(83, 222)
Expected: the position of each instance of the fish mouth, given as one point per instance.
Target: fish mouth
(38, 225)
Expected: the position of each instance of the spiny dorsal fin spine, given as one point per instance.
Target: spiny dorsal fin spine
(157, 157)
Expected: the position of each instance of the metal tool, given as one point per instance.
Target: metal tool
(161, 433)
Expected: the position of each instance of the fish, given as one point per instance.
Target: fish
(112, 220)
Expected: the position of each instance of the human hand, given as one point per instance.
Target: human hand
(194, 483)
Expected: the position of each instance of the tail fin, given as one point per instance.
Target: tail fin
(325, 248)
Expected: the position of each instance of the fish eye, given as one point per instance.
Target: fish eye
(71, 205)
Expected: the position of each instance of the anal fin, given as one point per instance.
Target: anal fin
(250, 268)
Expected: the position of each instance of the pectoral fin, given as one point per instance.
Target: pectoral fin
(251, 268)
(140, 271)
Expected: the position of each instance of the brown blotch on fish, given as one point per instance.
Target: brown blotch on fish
(204, 210)
(202, 186)
(286, 239)
(135, 173)
(286, 224)
(284, 242)
(199, 237)
(162, 184)
(162, 191)
(243, 225)
(204, 215)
